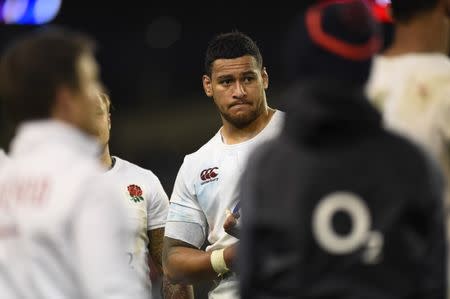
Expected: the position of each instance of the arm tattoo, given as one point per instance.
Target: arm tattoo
(155, 247)
(176, 291)
(169, 290)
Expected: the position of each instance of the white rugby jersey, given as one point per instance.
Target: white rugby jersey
(413, 91)
(147, 205)
(61, 227)
(207, 184)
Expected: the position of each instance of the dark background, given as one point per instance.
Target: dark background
(151, 58)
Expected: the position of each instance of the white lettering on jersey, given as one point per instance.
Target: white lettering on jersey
(29, 191)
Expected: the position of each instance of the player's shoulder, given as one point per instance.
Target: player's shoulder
(411, 64)
(132, 168)
(415, 160)
(407, 153)
(205, 151)
(424, 65)
(3, 157)
(278, 119)
(59, 162)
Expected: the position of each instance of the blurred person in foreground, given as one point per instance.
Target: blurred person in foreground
(206, 195)
(3, 157)
(147, 205)
(337, 207)
(410, 81)
(61, 227)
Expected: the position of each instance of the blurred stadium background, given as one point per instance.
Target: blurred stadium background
(151, 58)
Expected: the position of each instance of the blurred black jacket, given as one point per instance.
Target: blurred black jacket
(374, 198)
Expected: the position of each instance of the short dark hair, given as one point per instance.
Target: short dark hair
(33, 68)
(231, 45)
(404, 10)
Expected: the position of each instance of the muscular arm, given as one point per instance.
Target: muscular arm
(185, 263)
(155, 247)
(169, 290)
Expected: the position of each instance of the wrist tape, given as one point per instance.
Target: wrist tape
(218, 261)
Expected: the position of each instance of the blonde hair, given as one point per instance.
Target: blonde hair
(106, 100)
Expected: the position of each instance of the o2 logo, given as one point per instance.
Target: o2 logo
(360, 234)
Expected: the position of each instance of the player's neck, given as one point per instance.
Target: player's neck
(106, 159)
(235, 135)
(425, 34)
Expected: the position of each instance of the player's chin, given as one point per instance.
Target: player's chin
(241, 119)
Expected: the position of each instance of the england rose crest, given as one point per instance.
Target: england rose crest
(135, 192)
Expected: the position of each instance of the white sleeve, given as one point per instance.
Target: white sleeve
(157, 206)
(100, 231)
(186, 220)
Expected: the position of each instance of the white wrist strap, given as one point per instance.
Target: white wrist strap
(218, 261)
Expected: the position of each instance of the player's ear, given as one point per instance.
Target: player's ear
(109, 121)
(207, 87)
(265, 78)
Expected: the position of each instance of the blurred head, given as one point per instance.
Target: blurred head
(51, 73)
(103, 118)
(404, 11)
(332, 40)
(426, 22)
(235, 78)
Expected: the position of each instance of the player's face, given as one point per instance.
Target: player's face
(238, 88)
(103, 121)
(85, 101)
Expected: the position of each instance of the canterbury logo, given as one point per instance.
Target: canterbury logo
(208, 174)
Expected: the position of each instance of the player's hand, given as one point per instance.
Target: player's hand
(230, 226)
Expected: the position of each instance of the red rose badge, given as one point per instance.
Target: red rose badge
(135, 192)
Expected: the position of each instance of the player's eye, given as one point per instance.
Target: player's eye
(248, 79)
(225, 82)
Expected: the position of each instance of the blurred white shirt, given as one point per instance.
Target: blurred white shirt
(61, 227)
(3, 157)
(413, 93)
